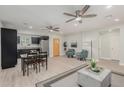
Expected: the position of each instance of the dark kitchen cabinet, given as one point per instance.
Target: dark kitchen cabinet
(8, 48)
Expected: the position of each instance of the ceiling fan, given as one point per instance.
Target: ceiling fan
(51, 28)
(79, 14)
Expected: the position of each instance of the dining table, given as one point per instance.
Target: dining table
(42, 55)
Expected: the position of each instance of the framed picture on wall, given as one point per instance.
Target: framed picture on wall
(74, 44)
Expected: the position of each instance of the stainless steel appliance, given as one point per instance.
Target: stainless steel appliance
(44, 44)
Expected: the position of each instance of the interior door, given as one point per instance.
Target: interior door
(104, 47)
(56, 47)
(110, 45)
(115, 47)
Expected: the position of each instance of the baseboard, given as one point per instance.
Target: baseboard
(105, 58)
(115, 59)
(109, 59)
(62, 54)
(121, 64)
(59, 55)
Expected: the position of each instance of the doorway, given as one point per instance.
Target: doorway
(109, 45)
(115, 45)
(56, 47)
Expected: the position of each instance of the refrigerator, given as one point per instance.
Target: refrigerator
(44, 44)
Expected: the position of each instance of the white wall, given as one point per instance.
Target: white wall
(87, 36)
(74, 38)
(122, 45)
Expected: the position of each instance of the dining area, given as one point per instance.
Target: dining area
(33, 61)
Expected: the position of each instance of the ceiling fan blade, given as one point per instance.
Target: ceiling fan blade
(86, 7)
(57, 28)
(89, 16)
(68, 14)
(70, 20)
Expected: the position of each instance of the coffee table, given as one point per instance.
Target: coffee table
(88, 78)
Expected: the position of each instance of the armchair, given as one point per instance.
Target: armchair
(70, 53)
(82, 55)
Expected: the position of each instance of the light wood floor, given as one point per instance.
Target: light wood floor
(13, 77)
(113, 65)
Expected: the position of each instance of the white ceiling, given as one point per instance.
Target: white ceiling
(41, 16)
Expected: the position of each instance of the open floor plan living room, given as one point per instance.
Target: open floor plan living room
(61, 46)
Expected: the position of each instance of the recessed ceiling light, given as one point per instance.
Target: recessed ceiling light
(116, 19)
(108, 6)
(30, 27)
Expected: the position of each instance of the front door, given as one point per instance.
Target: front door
(56, 47)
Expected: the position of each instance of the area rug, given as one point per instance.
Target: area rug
(46, 83)
(69, 79)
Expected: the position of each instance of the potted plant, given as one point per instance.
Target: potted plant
(93, 64)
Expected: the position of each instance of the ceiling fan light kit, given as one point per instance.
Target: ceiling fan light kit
(80, 14)
(78, 18)
(52, 29)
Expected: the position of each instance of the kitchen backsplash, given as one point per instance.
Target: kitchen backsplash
(25, 41)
